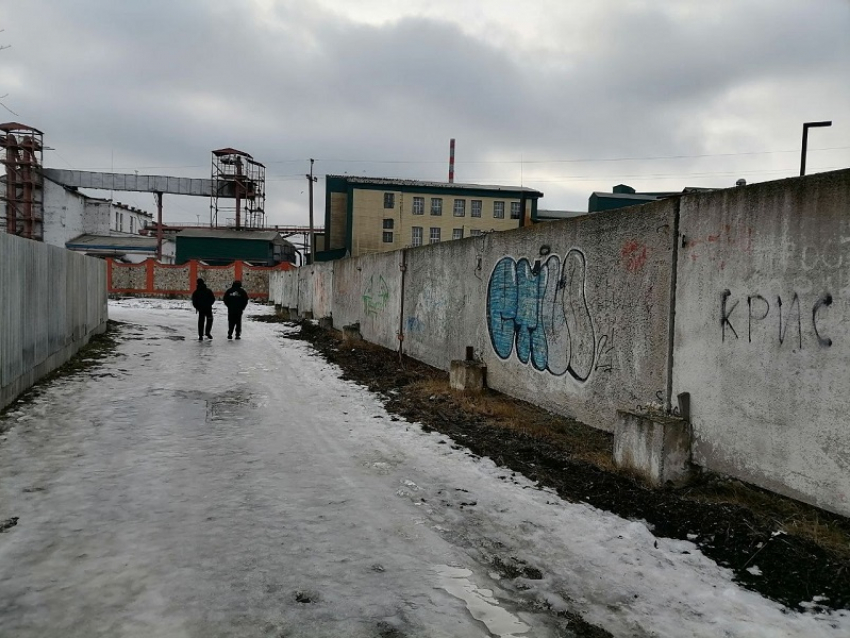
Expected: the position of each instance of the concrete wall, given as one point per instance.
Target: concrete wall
(578, 312)
(444, 301)
(570, 315)
(368, 290)
(51, 302)
(315, 289)
(581, 317)
(763, 334)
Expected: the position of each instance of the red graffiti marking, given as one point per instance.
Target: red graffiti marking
(634, 255)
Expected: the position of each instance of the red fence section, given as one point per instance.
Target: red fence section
(152, 279)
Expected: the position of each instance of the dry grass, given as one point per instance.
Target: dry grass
(793, 517)
(575, 439)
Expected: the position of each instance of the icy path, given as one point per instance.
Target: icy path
(241, 489)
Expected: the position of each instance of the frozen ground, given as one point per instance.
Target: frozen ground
(232, 488)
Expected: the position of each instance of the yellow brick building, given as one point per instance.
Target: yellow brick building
(370, 215)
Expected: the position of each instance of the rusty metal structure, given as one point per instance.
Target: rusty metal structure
(238, 196)
(22, 211)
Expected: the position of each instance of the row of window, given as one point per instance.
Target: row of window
(459, 209)
(119, 223)
(433, 237)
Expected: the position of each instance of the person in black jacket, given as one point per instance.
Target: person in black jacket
(236, 299)
(203, 300)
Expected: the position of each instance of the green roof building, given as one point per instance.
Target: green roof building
(218, 247)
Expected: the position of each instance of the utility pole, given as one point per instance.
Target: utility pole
(312, 181)
(159, 227)
(806, 127)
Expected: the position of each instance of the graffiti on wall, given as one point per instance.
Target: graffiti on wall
(540, 312)
(789, 320)
(376, 295)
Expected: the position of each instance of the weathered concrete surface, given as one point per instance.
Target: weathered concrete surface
(51, 302)
(763, 334)
(321, 278)
(656, 447)
(577, 312)
(444, 301)
(367, 290)
(467, 376)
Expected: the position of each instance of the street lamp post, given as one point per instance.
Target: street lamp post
(806, 127)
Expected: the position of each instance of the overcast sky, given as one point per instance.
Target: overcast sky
(566, 96)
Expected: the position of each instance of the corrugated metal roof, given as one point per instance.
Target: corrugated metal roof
(386, 181)
(219, 233)
(125, 242)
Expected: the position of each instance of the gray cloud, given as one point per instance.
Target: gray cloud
(162, 83)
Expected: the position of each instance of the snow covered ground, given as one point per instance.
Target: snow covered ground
(240, 488)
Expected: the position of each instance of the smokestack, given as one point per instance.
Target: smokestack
(452, 161)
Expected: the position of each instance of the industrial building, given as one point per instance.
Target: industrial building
(371, 215)
(216, 246)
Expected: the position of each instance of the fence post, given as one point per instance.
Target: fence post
(149, 263)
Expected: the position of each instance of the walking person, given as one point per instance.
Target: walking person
(236, 300)
(203, 300)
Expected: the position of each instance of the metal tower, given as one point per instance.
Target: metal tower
(22, 212)
(238, 196)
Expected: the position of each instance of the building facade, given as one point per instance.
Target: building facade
(69, 214)
(366, 215)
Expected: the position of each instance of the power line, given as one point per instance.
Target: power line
(576, 160)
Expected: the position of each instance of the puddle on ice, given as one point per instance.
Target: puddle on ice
(480, 602)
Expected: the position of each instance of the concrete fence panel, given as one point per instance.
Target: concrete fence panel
(322, 294)
(51, 302)
(577, 312)
(444, 301)
(367, 290)
(763, 334)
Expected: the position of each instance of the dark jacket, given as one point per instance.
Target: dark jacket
(203, 298)
(236, 299)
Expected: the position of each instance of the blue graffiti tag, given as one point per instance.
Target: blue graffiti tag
(541, 312)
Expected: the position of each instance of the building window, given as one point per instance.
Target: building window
(389, 200)
(417, 235)
(121, 227)
(475, 232)
(388, 237)
(436, 205)
(117, 220)
(132, 224)
(435, 235)
(498, 210)
(514, 210)
(476, 208)
(389, 223)
(457, 233)
(460, 208)
(418, 205)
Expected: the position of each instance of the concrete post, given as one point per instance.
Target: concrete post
(656, 447)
